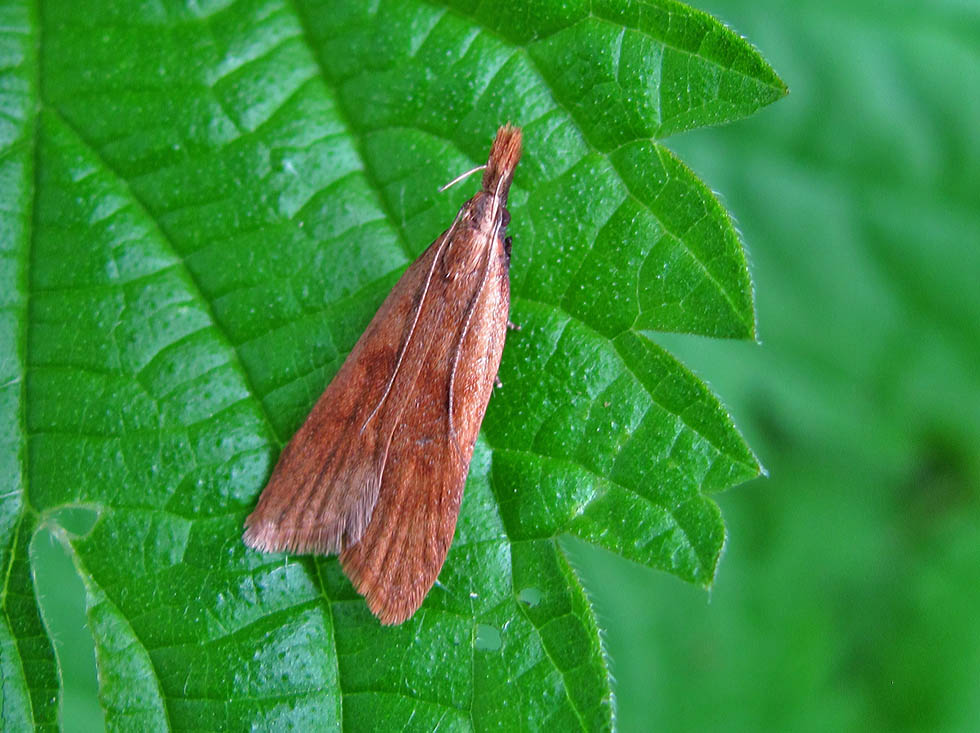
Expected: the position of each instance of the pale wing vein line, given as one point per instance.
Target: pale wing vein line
(471, 308)
(415, 319)
(457, 349)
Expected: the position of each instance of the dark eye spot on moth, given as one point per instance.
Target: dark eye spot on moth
(376, 473)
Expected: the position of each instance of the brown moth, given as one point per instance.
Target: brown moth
(376, 472)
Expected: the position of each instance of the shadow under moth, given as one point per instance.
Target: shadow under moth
(376, 472)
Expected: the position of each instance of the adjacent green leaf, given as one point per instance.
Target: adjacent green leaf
(28, 675)
(207, 203)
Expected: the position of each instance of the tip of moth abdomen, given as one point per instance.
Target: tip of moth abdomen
(392, 604)
(393, 580)
(504, 155)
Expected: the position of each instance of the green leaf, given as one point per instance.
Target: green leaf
(205, 205)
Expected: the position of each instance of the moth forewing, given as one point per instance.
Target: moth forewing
(401, 553)
(324, 487)
(378, 468)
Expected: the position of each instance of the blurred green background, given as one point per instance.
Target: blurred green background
(849, 595)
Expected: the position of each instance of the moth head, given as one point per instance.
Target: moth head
(486, 213)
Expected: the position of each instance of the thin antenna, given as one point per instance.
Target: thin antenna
(461, 176)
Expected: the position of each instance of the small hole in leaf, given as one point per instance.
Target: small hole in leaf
(530, 596)
(76, 520)
(61, 597)
(487, 638)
